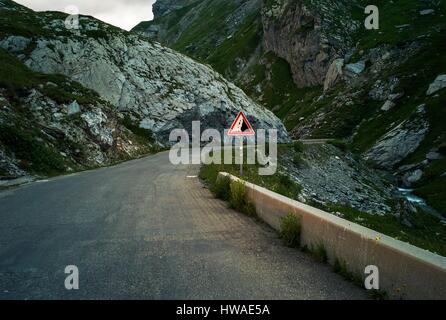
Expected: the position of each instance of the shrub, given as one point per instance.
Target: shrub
(222, 188)
(340, 267)
(298, 146)
(320, 253)
(285, 181)
(340, 144)
(237, 195)
(33, 153)
(145, 134)
(238, 201)
(249, 209)
(290, 230)
(298, 161)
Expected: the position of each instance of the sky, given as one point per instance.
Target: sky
(122, 13)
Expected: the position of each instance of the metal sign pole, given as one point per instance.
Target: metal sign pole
(241, 156)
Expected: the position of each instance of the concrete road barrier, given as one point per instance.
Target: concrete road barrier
(405, 271)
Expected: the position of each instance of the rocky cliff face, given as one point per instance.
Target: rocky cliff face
(143, 84)
(304, 34)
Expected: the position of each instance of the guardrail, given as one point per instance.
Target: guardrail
(405, 271)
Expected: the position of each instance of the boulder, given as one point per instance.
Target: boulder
(356, 68)
(388, 105)
(431, 156)
(427, 12)
(412, 177)
(438, 84)
(73, 108)
(334, 74)
(398, 143)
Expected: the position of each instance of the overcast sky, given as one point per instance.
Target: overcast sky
(121, 13)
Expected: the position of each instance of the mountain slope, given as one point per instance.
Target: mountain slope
(139, 84)
(315, 66)
(51, 125)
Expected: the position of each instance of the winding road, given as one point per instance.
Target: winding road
(146, 229)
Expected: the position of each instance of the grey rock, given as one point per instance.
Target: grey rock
(412, 177)
(327, 175)
(15, 44)
(396, 96)
(95, 121)
(73, 108)
(388, 105)
(398, 143)
(438, 84)
(431, 156)
(427, 12)
(334, 74)
(355, 68)
(157, 85)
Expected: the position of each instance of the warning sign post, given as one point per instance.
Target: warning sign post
(241, 127)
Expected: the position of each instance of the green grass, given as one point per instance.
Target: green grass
(434, 193)
(144, 135)
(320, 253)
(232, 191)
(397, 13)
(290, 230)
(211, 23)
(238, 199)
(222, 188)
(427, 64)
(298, 146)
(341, 267)
(240, 46)
(278, 183)
(340, 144)
(34, 154)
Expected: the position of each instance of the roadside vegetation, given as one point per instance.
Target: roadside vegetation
(290, 230)
(421, 229)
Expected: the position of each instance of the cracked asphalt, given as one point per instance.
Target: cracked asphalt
(146, 229)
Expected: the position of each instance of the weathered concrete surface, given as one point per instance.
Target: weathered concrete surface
(147, 230)
(405, 270)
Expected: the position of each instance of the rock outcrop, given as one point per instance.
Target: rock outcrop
(306, 36)
(334, 74)
(437, 85)
(399, 142)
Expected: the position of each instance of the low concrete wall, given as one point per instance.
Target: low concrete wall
(405, 271)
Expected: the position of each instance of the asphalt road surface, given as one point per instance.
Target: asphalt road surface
(146, 229)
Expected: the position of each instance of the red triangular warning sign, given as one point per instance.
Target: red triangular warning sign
(241, 127)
